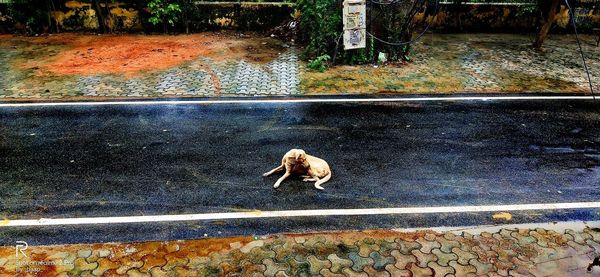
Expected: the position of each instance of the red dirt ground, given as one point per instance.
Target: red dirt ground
(131, 54)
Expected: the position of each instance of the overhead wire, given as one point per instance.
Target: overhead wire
(573, 15)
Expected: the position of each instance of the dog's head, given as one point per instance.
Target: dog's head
(299, 155)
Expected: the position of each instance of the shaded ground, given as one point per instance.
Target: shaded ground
(72, 66)
(499, 252)
(471, 63)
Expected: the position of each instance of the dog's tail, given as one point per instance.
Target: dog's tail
(321, 181)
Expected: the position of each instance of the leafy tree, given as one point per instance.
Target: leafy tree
(163, 11)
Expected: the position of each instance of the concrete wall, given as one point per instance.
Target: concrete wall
(125, 17)
(512, 18)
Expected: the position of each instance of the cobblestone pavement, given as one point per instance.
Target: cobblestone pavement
(441, 64)
(502, 252)
(201, 77)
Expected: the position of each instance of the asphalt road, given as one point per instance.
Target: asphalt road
(176, 159)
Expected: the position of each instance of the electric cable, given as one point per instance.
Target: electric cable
(581, 49)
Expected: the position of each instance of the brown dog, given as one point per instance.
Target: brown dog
(296, 161)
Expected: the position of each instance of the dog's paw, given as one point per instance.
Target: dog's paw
(319, 187)
(265, 174)
(276, 186)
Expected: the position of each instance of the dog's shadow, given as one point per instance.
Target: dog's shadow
(293, 183)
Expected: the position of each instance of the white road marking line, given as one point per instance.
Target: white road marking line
(297, 100)
(559, 226)
(296, 213)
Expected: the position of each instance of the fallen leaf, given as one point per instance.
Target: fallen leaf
(502, 216)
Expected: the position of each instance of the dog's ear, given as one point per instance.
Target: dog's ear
(301, 155)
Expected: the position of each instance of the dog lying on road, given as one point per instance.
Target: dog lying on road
(296, 161)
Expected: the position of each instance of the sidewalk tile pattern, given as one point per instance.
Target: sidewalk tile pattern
(508, 252)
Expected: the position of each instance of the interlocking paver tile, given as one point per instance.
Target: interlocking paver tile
(175, 260)
(253, 244)
(406, 247)
(482, 268)
(427, 245)
(338, 263)
(381, 261)
(151, 261)
(316, 264)
(282, 274)
(444, 258)
(273, 267)
(579, 248)
(402, 260)
(540, 239)
(523, 237)
(250, 268)
(486, 256)
(521, 266)
(463, 256)
(258, 254)
(439, 270)
(377, 273)
(351, 273)
(310, 242)
(423, 259)
(507, 233)
(82, 265)
(327, 273)
(84, 253)
(503, 267)
(331, 256)
(578, 237)
(158, 272)
(104, 253)
(419, 271)
(396, 272)
(127, 265)
(184, 272)
(359, 262)
(463, 270)
(86, 273)
(366, 247)
(105, 264)
(447, 245)
(387, 246)
(594, 245)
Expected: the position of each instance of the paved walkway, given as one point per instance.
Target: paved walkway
(503, 252)
(441, 64)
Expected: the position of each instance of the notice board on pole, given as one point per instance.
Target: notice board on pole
(354, 19)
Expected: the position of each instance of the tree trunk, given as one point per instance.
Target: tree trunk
(99, 15)
(546, 27)
(52, 8)
(142, 14)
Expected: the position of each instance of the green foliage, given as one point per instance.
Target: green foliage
(527, 10)
(321, 25)
(163, 11)
(319, 63)
(31, 17)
